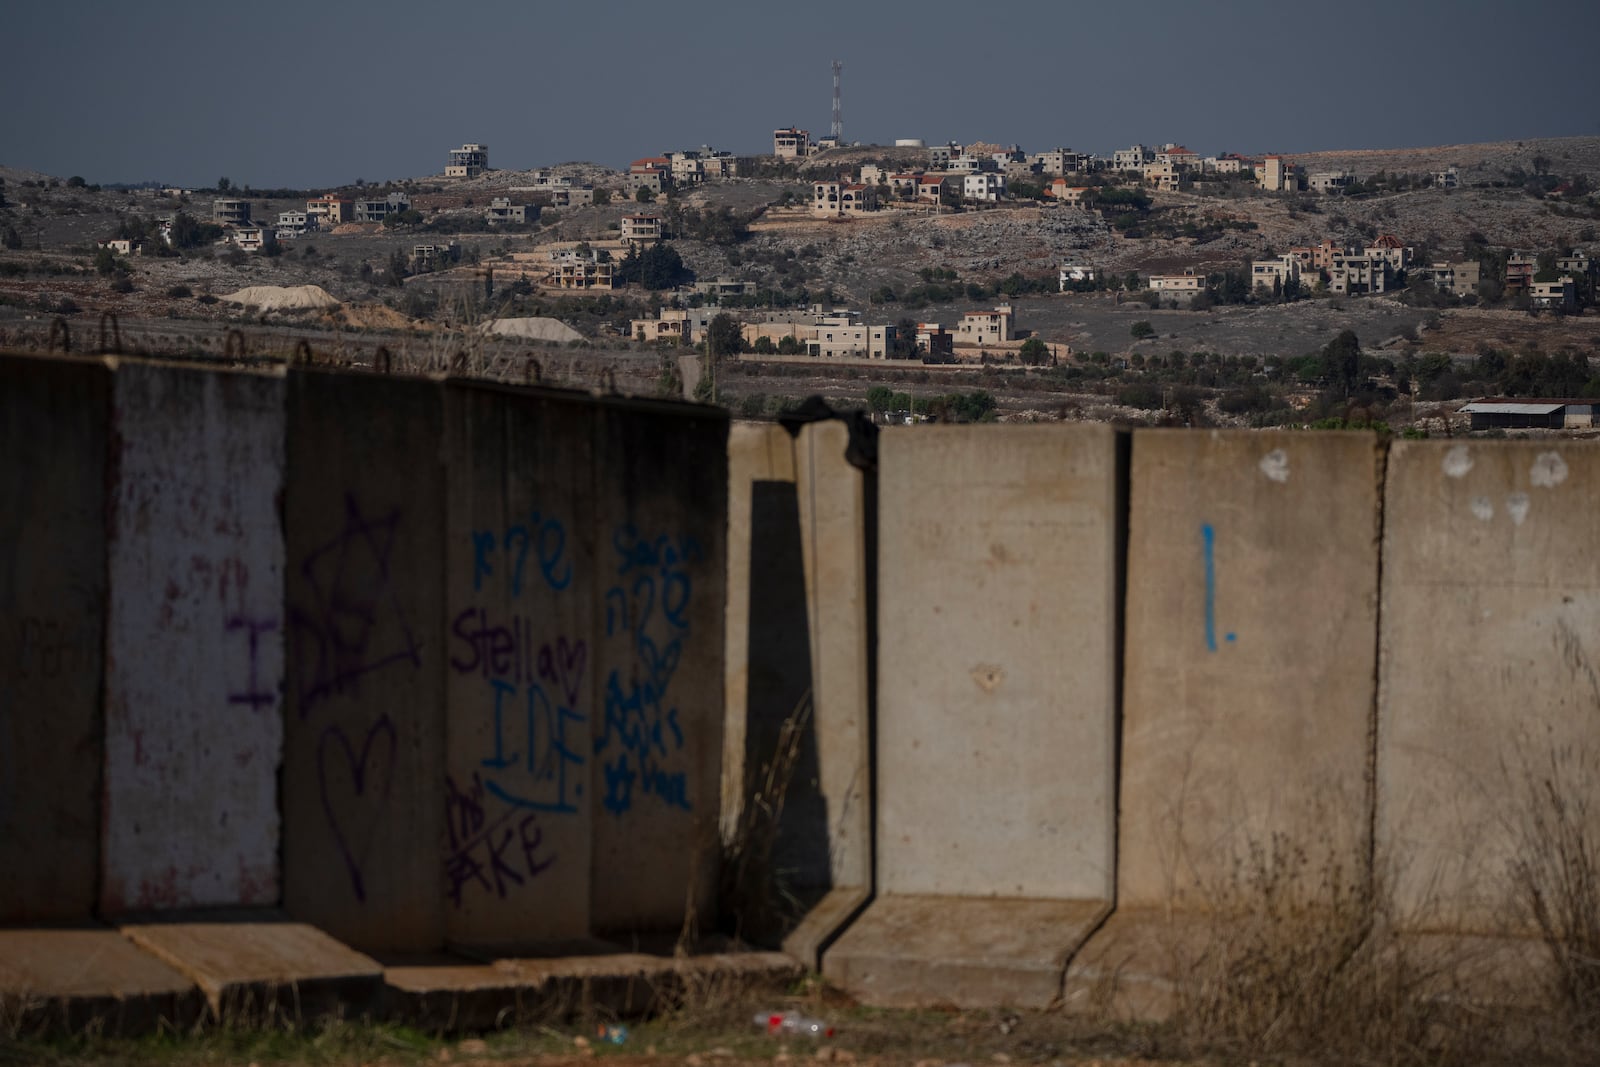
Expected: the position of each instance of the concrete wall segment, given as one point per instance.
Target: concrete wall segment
(660, 483)
(998, 582)
(364, 706)
(194, 647)
(1491, 603)
(54, 419)
(521, 701)
(1250, 642)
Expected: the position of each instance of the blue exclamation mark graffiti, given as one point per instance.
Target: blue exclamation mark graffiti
(1208, 538)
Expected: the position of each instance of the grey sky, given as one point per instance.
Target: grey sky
(310, 94)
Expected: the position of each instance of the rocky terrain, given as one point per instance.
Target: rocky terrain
(878, 264)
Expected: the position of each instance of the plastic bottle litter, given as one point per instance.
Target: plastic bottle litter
(792, 1022)
(612, 1033)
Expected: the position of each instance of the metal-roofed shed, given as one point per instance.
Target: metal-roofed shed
(1532, 413)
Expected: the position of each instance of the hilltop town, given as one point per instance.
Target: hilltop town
(1153, 284)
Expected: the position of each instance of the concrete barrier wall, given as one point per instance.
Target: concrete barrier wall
(838, 523)
(759, 454)
(997, 679)
(797, 620)
(53, 422)
(661, 497)
(194, 648)
(363, 827)
(1491, 606)
(486, 653)
(1249, 681)
(520, 788)
(999, 571)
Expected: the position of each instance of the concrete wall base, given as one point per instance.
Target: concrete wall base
(264, 971)
(55, 981)
(807, 941)
(918, 951)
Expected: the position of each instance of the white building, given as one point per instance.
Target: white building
(468, 161)
(1075, 272)
(987, 186)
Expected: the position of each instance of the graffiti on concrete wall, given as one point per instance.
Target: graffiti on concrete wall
(535, 676)
(533, 686)
(350, 626)
(1208, 542)
(649, 607)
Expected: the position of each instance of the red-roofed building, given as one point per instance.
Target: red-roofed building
(930, 186)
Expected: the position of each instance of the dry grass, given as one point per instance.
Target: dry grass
(761, 906)
(1555, 880)
(1301, 960)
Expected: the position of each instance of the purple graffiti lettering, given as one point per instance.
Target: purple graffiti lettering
(491, 854)
(254, 696)
(562, 664)
(353, 624)
(354, 816)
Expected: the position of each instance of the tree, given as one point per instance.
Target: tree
(880, 398)
(905, 340)
(12, 238)
(224, 185)
(644, 195)
(724, 336)
(397, 268)
(657, 267)
(1141, 329)
(189, 232)
(76, 182)
(602, 196)
(1034, 353)
(1341, 360)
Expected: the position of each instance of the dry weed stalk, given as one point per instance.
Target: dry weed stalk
(757, 899)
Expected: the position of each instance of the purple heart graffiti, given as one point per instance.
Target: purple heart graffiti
(353, 810)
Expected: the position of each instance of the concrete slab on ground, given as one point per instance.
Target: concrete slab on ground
(264, 970)
(91, 979)
(638, 983)
(1133, 965)
(920, 951)
(450, 993)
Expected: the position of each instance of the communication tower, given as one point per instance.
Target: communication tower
(838, 113)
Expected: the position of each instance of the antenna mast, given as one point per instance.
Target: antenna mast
(838, 114)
